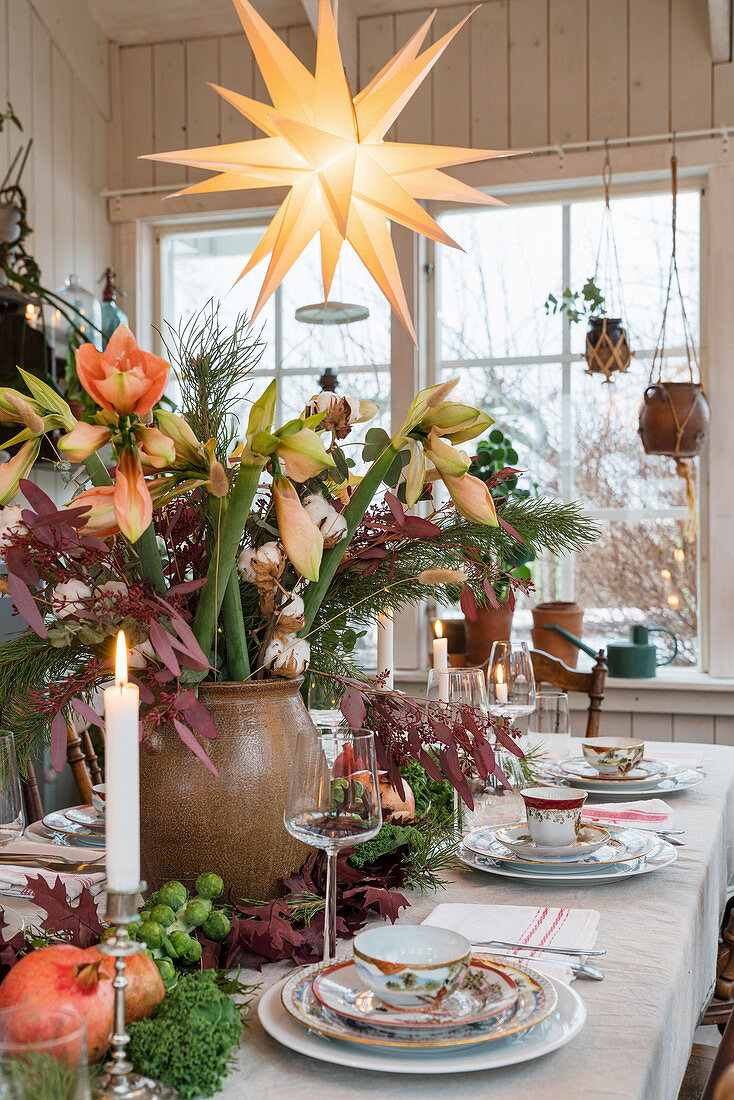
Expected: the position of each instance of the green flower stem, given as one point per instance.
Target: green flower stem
(151, 567)
(238, 659)
(222, 561)
(353, 513)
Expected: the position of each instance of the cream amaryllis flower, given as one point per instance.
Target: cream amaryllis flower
(123, 378)
(16, 468)
(83, 440)
(472, 498)
(303, 542)
(303, 454)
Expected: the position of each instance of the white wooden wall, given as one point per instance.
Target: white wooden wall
(67, 167)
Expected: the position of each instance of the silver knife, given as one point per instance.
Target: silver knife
(583, 951)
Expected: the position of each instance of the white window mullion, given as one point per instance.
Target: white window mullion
(567, 413)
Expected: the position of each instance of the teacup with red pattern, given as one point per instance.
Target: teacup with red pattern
(554, 814)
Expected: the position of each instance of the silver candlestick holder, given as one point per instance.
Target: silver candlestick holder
(119, 1081)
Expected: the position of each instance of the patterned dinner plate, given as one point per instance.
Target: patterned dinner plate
(59, 824)
(85, 815)
(483, 992)
(518, 840)
(624, 846)
(662, 855)
(536, 1000)
(38, 832)
(578, 773)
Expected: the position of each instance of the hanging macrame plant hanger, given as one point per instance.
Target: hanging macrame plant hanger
(674, 416)
(607, 345)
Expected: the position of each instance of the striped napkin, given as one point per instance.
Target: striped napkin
(522, 924)
(650, 813)
(669, 755)
(14, 879)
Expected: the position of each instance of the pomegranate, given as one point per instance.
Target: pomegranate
(145, 989)
(397, 810)
(67, 977)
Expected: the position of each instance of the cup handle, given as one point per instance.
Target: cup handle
(674, 654)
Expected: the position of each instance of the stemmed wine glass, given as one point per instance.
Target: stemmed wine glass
(464, 687)
(510, 680)
(333, 801)
(12, 814)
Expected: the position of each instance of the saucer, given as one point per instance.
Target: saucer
(58, 822)
(484, 993)
(85, 815)
(517, 840)
(575, 772)
(537, 999)
(38, 832)
(624, 846)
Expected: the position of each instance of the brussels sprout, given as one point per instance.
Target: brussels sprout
(181, 942)
(173, 894)
(197, 911)
(217, 925)
(151, 933)
(132, 929)
(194, 952)
(144, 914)
(163, 915)
(167, 971)
(209, 885)
(168, 947)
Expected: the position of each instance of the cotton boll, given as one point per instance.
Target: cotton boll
(287, 655)
(333, 528)
(317, 507)
(262, 567)
(69, 597)
(114, 588)
(291, 618)
(11, 523)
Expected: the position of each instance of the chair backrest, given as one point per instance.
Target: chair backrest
(549, 670)
(82, 760)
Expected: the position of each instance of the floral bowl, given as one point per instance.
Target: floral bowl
(613, 755)
(411, 966)
(99, 793)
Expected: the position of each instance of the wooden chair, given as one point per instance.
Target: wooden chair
(549, 670)
(82, 760)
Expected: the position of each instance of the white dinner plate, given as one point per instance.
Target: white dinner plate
(687, 779)
(579, 773)
(559, 1028)
(661, 856)
(15, 922)
(517, 840)
(38, 832)
(626, 845)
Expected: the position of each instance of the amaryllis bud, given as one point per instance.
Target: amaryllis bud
(303, 455)
(446, 459)
(131, 500)
(301, 537)
(25, 412)
(157, 450)
(83, 440)
(16, 468)
(472, 498)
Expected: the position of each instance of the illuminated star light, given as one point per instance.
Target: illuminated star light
(327, 146)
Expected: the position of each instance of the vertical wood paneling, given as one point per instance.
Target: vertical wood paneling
(649, 66)
(415, 123)
(490, 103)
(19, 89)
(302, 41)
(83, 186)
(724, 729)
(528, 61)
(652, 727)
(236, 65)
(102, 227)
(567, 70)
(63, 175)
(693, 727)
(724, 94)
(169, 109)
(608, 73)
(42, 185)
(202, 107)
(376, 45)
(451, 82)
(136, 79)
(4, 66)
(614, 724)
(690, 56)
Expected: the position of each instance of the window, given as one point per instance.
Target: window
(576, 435)
(197, 264)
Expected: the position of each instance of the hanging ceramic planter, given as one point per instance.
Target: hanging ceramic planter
(674, 415)
(607, 347)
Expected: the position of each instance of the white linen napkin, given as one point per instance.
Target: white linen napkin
(522, 924)
(669, 754)
(649, 813)
(14, 878)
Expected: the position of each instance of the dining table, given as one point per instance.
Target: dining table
(660, 932)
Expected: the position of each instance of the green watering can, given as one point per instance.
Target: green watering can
(636, 659)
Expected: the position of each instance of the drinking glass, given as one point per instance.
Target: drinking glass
(12, 814)
(549, 727)
(43, 1054)
(333, 801)
(458, 685)
(323, 701)
(510, 680)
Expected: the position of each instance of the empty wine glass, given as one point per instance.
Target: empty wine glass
(333, 801)
(43, 1054)
(458, 685)
(12, 814)
(549, 727)
(510, 680)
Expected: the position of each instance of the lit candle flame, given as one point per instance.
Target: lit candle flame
(665, 574)
(679, 554)
(673, 601)
(500, 674)
(121, 660)
(438, 628)
(30, 312)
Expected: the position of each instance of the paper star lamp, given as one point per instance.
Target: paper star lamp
(328, 147)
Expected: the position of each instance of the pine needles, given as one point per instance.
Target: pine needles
(212, 368)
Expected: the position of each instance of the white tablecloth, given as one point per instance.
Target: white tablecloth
(660, 931)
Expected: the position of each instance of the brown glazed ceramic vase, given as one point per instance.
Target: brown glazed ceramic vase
(191, 821)
(491, 626)
(558, 613)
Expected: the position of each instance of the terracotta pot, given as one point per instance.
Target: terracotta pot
(191, 821)
(663, 404)
(491, 626)
(557, 613)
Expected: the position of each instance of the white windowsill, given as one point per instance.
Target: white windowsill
(682, 679)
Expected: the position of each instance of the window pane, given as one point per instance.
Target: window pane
(358, 344)
(643, 239)
(296, 389)
(640, 573)
(491, 296)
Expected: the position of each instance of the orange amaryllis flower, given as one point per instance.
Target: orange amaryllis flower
(472, 498)
(124, 378)
(131, 499)
(100, 518)
(156, 449)
(303, 542)
(16, 468)
(83, 440)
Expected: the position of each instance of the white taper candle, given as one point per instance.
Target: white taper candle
(122, 776)
(385, 654)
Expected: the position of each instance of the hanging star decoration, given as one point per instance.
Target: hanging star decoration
(346, 182)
